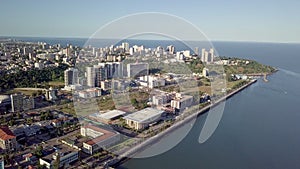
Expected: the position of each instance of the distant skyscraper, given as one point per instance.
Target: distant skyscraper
(71, 76)
(131, 51)
(125, 45)
(171, 49)
(202, 54)
(16, 102)
(208, 56)
(28, 103)
(100, 74)
(197, 50)
(137, 69)
(90, 76)
(212, 55)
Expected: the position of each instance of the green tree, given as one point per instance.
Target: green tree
(134, 102)
(56, 162)
(39, 151)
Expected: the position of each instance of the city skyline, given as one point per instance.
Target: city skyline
(266, 21)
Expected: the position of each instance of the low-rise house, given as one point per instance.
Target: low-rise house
(63, 153)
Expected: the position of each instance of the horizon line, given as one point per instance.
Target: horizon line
(212, 40)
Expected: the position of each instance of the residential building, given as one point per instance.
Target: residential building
(90, 93)
(64, 153)
(100, 74)
(161, 98)
(51, 94)
(181, 102)
(137, 69)
(71, 76)
(16, 102)
(156, 81)
(106, 85)
(208, 56)
(171, 49)
(90, 76)
(125, 46)
(7, 139)
(205, 72)
(28, 103)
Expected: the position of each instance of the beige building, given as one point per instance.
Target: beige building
(180, 102)
(101, 138)
(141, 119)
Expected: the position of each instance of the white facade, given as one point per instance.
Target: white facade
(90, 76)
(16, 102)
(137, 69)
(90, 93)
(182, 102)
(65, 159)
(141, 119)
(101, 138)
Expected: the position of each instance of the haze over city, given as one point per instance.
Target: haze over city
(233, 20)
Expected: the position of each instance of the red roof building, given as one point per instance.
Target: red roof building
(7, 139)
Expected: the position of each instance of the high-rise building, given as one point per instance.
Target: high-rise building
(212, 55)
(51, 94)
(90, 76)
(208, 56)
(137, 69)
(202, 55)
(28, 103)
(67, 51)
(125, 45)
(197, 50)
(100, 74)
(16, 102)
(118, 70)
(71, 76)
(171, 49)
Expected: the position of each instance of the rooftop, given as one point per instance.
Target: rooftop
(110, 114)
(106, 134)
(144, 115)
(6, 133)
(183, 98)
(64, 150)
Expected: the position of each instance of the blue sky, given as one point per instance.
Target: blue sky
(229, 20)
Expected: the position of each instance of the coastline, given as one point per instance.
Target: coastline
(153, 140)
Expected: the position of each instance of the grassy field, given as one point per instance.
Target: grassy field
(56, 84)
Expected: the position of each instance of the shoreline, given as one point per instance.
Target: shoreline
(153, 140)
